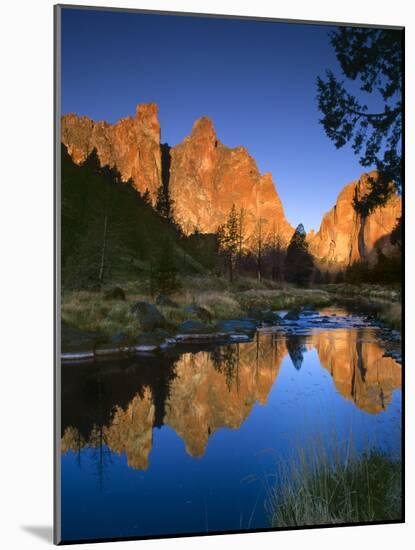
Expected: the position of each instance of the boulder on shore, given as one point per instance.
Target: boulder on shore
(119, 338)
(199, 312)
(148, 316)
(116, 293)
(156, 337)
(163, 300)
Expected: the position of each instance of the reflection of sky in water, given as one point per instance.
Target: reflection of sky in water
(225, 488)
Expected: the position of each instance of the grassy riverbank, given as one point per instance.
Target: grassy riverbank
(383, 302)
(103, 316)
(317, 490)
(92, 311)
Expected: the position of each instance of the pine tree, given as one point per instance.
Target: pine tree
(164, 203)
(299, 262)
(164, 275)
(258, 248)
(339, 278)
(146, 196)
(92, 162)
(370, 59)
(228, 240)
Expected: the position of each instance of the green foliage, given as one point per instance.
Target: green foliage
(164, 203)
(299, 262)
(387, 270)
(396, 235)
(317, 488)
(147, 197)
(228, 240)
(109, 231)
(165, 272)
(373, 57)
(203, 247)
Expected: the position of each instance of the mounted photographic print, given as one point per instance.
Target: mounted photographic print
(229, 242)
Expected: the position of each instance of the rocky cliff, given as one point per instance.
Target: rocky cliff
(205, 179)
(345, 237)
(132, 144)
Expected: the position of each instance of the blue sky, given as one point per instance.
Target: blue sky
(255, 79)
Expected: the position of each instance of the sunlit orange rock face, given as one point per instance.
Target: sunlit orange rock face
(132, 144)
(131, 430)
(344, 237)
(204, 398)
(207, 178)
(358, 367)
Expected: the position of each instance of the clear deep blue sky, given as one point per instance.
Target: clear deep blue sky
(255, 79)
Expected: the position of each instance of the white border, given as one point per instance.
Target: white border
(26, 230)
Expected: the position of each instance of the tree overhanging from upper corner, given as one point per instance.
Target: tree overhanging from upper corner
(373, 58)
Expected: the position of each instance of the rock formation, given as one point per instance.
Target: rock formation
(205, 179)
(132, 144)
(345, 237)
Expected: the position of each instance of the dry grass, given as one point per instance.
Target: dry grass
(391, 315)
(283, 298)
(89, 310)
(318, 489)
(382, 302)
(390, 293)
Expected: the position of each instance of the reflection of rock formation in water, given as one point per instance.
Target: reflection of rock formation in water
(130, 431)
(218, 390)
(296, 349)
(358, 367)
(209, 390)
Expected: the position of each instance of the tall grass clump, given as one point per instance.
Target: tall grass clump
(318, 488)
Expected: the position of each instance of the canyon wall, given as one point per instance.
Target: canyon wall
(345, 237)
(205, 179)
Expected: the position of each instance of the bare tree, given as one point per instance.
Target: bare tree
(258, 247)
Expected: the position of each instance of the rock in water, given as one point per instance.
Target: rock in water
(237, 325)
(148, 316)
(292, 315)
(192, 326)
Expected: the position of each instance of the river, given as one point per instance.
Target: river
(190, 441)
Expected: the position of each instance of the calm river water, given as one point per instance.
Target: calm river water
(190, 442)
